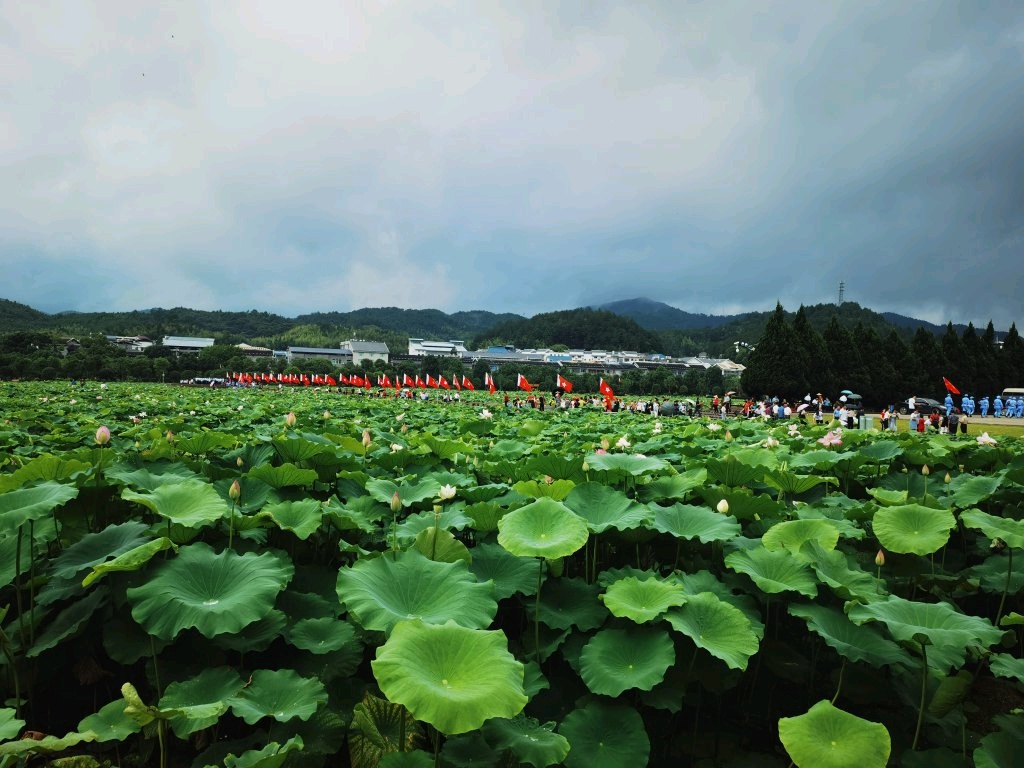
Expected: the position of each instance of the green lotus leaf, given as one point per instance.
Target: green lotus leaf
(617, 660)
(673, 487)
(556, 466)
(132, 560)
(322, 635)
(10, 725)
(110, 723)
(485, 515)
(19, 506)
(817, 459)
(203, 442)
(948, 634)
(1009, 531)
(572, 602)
(68, 621)
(792, 535)
(95, 548)
(283, 476)
(256, 636)
(378, 727)
(743, 503)
(469, 750)
(688, 521)
(888, 498)
(773, 572)
(603, 734)
(151, 476)
(881, 450)
(302, 518)
(913, 529)
(531, 743)
(969, 490)
(997, 572)
(718, 627)
(625, 463)
(950, 694)
(46, 745)
(510, 574)
(452, 677)
(453, 517)
(415, 759)
(273, 755)
(827, 737)
(642, 601)
(1005, 665)
(383, 490)
(441, 545)
(45, 467)
(839, 572)
(297, 449)
(201, 700)
(544, 528)
(381, 591)
(604, 507)
(1002, 748)
(215, 593)
(190, 503)
(533, 489)
(856, 642)
(794, 484)
(1012, 619)
(281, 694)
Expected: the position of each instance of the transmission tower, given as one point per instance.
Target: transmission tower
(842, 290)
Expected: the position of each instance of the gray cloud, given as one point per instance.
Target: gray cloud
(331, 156)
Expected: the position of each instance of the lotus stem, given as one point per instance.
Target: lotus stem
(17, 585)
(536, 611)
(231, 526)
(1006, 588)
(924, 692)
(5, 642)
(839, 687)
(32, 581)
(437, 748)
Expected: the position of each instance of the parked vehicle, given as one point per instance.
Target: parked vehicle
(924, 405)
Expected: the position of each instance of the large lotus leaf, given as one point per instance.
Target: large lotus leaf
(485, 515)
(732, 471)
(571, 602)
(296, 449)
(913, 529)
(888, 497)
(617, 660)
(378, 729)
(283, 476)
(383, 490)
(151, 476)
(816, 459)
(604, 734)
(45, 467)
(281, 694)
(968, 490)
(999, 750)
(381, 591)
(201, 700)
(273, 755)
(95, 548)
(642, 601)
(1005, 665)
(716, 626)
(774, 572)
(439, 544)
(302, 518)
(792, 535)
(688, 521)
(453, 517)
(840, 573)
(24, 504)
(533, 489)
(530, 741)
(320, 636)
(17, 555)
(203, 442)
(190, 503)
(358, 514)
(46, 745)
(452, 677)
(10, 725)
(68, 621)
(996, 572)
(416, 759)
(558, 467)
(827, 737)
(625, 463)
(836, 517)
(947, 633)
(510, 574)
(881, 450)
(544, 528)
(743, 503)
(794, 484)
(673, 487)
(856, 642)
(110, 723)
(1011, 532)
(604, 507)
(215, 593)
(132, 560)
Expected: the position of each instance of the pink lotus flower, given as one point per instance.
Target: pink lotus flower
(102, 435)
(831, 438)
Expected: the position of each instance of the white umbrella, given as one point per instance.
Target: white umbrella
(802, 407)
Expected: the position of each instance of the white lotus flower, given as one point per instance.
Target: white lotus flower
(622, 442)
(446, 492)
(770, 442)
(986, 439)
(714, 426)
(395, 447)
(485, 414)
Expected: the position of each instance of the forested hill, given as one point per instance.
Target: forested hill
(658, 316)
(573, 328)
(21, 317)
(417, 323)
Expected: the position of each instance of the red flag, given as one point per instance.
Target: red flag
(467, 384)
(523, 384)
(367, 383)
(949, 386)
(356, 381)
(443, 382)
(563, 384)
(419, 382)
(605, 390)
(331, 381)
(489, 383)
(407, 381)
(431, 381)
(455, 383)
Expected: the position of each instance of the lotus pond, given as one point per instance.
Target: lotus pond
(302, 578)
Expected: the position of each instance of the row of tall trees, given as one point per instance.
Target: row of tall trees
(792, 359)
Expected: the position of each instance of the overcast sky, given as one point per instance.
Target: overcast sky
(513, 156)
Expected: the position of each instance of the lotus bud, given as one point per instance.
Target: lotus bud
(586, 467)
(169, 436)
(925, 471)
(235, 491)
(880, 558)
(396, 503)
(728, 436)
(947, 478)
(606, 443)
(405, 428)
(723, 506)
(366, 438)
(289, 419)
(327, 414)
(239, 462)
(102, 435)
(447, 492)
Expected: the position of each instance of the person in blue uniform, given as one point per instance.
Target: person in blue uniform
(1020, 408)
(998, 406)
(983, 405)
(1011, 406)
(949, 403)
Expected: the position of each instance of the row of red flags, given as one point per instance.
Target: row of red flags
(355, 380)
